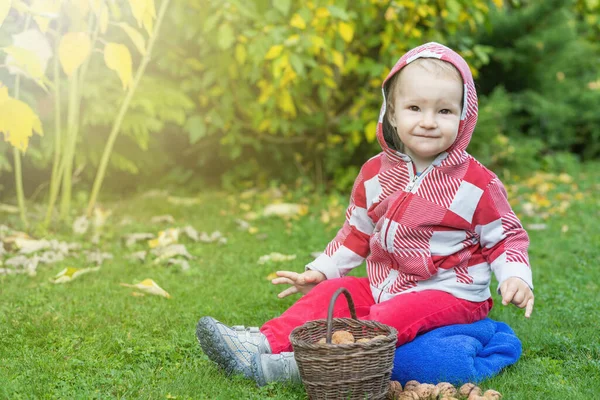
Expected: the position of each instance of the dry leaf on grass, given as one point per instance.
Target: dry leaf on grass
(216, 236)
(162, 219)
(81, 225)
(21, 265)
(149, 286)
(138, 256)
(70, 273)
(276, 257)
(98, 257)
(28, 246)
(51, 257)
(185, 266)
(170, 251)
(100, 216)
(183, 201)
(191, 233)
(165, 238)
(9, 209)
(132, 238)
(285, 210)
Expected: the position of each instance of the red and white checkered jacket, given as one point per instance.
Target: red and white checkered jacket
(446, 229)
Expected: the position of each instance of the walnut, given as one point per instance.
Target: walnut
(394, 390)
(379, 337)
(411, 385)
(448, 398)
(342, 337)
(425, 390)
(475, 396)
(363, 340)
(410, 395)
(444, 389)
(492, 395)
(468, 388)
(322, 340)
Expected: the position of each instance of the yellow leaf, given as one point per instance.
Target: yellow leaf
(73, 50)
(4, 9)
(272, 276)
(499, 3)
(346, 31)
(338, 59)
(286, 103)
(149, 286)
(144, 13)
(17, 121)
(118, 58)
(103, 20)
(371, 131)
(70, 273)
(44, 7)
(297, 22)
(82, 5)
(26, 60)
(274, 52)
(240, 53)
(322, 12)
(135, 36)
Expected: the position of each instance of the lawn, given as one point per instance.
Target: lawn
(92, 338)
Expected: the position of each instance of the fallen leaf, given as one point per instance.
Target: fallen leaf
(170, 251)
(285, 210)
(51, 257)
(28, 265)
(216, 236)
(100, 216)
(537, 227)
(98, 257)
(9, 209)
(68, 274)
(564, 229)
(160, 219)
(138, 255)
(165, 238)
(149, 286)
(275, 257)
(184, 264)
(81, 225)
(242, 225)
(191, 233)
(271, 276)
(132, 238)
(183, 201)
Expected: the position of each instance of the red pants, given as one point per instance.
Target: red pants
(410, 313)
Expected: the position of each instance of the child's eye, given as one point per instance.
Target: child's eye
(445, 111)
(413, 108)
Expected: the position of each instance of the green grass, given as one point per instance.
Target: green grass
(92, 339)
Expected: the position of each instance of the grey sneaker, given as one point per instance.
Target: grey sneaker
(232, 348)
(280, 367)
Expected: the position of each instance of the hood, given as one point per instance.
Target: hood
(468, 117)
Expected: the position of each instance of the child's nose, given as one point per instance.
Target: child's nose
(428, 121)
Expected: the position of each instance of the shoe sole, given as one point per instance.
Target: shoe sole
(213, 346)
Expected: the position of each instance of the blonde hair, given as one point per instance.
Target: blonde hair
(433, 65)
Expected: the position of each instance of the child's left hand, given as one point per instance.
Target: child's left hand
(515, 290)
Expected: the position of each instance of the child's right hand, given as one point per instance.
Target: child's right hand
(302, 283)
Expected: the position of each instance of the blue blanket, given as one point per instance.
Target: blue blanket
(457, 353)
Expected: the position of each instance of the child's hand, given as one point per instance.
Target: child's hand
(515, 290)
(302, 283)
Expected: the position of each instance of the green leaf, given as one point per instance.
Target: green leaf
(283, 6)
(211, 22)
(297, 64)
(196, 127)
(226, 37)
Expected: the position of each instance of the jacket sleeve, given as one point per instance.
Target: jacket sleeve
(503, 239)
(350, 246)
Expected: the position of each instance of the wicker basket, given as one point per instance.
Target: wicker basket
(344, 371)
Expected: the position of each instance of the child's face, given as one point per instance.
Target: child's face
(426, 112)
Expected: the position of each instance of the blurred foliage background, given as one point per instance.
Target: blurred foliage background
(250, 93)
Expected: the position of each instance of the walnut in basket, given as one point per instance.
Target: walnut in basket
(342, 337)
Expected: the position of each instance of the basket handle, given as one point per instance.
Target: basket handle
(330, 311)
